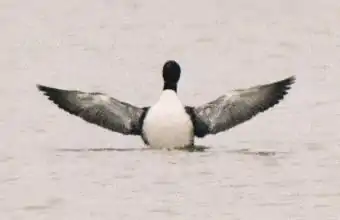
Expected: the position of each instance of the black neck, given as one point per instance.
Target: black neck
(171, 86)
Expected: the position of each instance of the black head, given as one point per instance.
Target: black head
(171, 74)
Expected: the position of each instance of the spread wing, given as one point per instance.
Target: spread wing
(98, 108)
(237, 107)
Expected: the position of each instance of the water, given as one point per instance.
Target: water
(283, 164)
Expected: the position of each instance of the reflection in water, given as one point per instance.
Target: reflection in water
(103, 149)
(259, 153)
(196, 148)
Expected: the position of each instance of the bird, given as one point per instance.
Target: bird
(169, 124)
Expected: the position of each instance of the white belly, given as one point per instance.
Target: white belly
(167, 125)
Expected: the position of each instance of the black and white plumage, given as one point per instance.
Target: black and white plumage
(168, 123)
(237, 106)
(98, 108)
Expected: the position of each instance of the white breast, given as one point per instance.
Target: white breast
(167, 125)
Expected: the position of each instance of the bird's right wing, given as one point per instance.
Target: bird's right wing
(99, 109)
(237, 106)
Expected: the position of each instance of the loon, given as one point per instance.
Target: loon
(169, 124)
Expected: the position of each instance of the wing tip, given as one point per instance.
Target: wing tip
(53, 94)
(57, 96)
(48, 91)
(277, 91)
(285, 84)
(43, 88)
(290, 80)
(40, 87)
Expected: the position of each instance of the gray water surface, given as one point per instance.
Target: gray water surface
(283, 164)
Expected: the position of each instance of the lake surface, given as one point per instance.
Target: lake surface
(283, 164)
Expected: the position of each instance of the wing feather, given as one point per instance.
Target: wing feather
(237, 107)
(98, 108)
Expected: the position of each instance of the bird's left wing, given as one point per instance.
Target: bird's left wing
(237, 106)
(99, 109)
